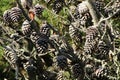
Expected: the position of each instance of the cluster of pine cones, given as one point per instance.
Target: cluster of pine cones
(40, 52)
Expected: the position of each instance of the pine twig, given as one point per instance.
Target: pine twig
(109, 3)
(105, 19)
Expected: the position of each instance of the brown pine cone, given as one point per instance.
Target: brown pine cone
(26, 29)
(38, 9)
(78, 71)
(6, 17)
(15, 14)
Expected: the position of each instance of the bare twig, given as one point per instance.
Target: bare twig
(54, 13)
(93, 11)
(105, 19)
(6, 40)
(109, 26)
(109, 3)
(92, 58)
(71, 14)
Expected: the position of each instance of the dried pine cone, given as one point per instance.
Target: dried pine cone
(34, 37)
(38, 9)
(91, 33)
(74, 33)
(26, 29)
(41, 46)
(116, 8)
(76, 14)
(58, 5)
(91, 40)
(117, 5)
(101, 73)
(6, 17)
(82, 8)
(30, 68)
(78, 71)
(1, 30)
(10, 56)
(110, 10)
(45, 29)
(82, 13)
(99, 5)
(86, 19)
(60, 76)
(103, 50)
(61, 61)
(47, 59)
(89, 69)
(90, 47)
(15, 14)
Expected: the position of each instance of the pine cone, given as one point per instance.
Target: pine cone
(34, 37)
(45, 29)
(57, 6)
(99, 5)
(91, 34)
(82, 15)
(60, 76)
(82, 8)
(1, 30)
(90, 47)
(48, 60)
(15, 14)
(41, 46)
(110, 10)
(26, 29)
(103, 51)
(86, 19)
(30, 62)
(89, 69)
(10, 56)
(91, 40)
(101, 73)
(75, 34)
(6, 17)
(38, 9)
(30, 68)
(78, 71)
(61, 61)
(116, 7)
(76, 14)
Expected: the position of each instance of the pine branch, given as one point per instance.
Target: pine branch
(24, 13)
